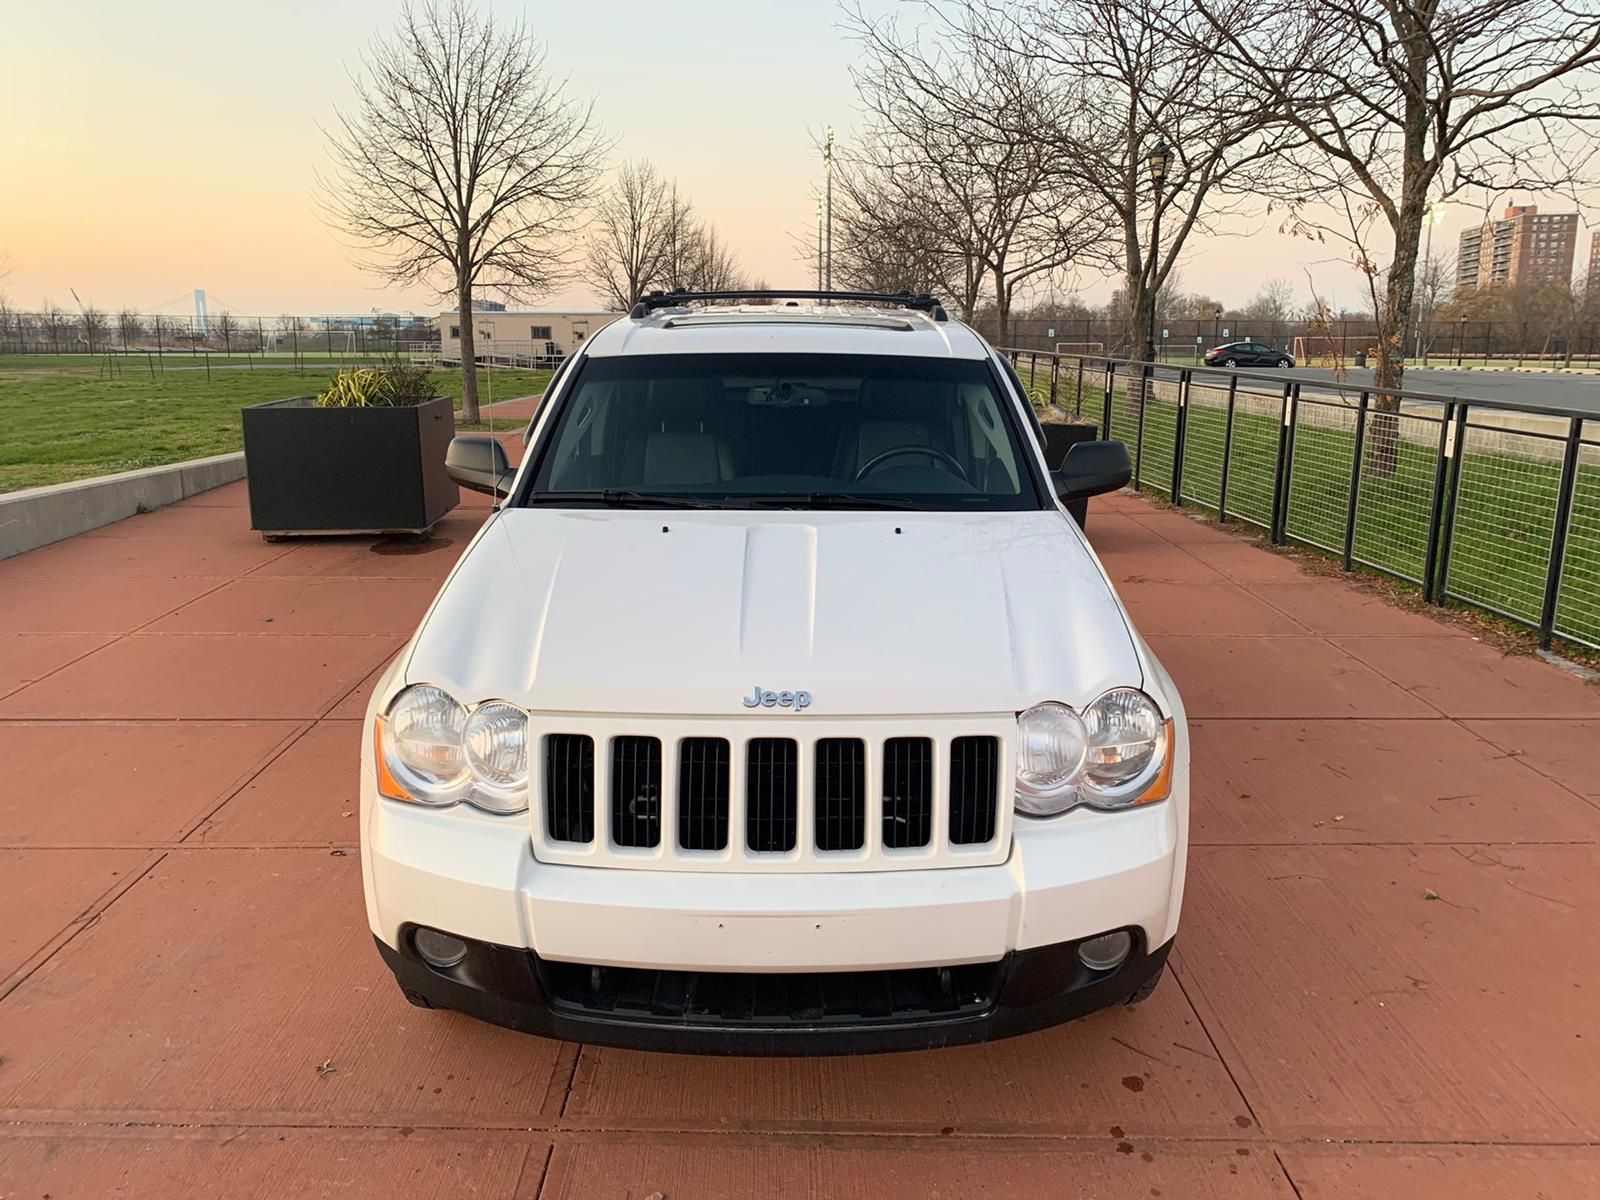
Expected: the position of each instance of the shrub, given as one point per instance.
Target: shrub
(396, 385)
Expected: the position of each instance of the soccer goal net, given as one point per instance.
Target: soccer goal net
(1082, 349)
(311, 341)
(1319, 350)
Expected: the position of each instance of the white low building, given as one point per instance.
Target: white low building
(513, 336)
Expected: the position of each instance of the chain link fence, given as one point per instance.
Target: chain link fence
(91, 332)
(1487, 503)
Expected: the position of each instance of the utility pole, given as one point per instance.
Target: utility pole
(819, 243)
(828, 158)
(1432, 215)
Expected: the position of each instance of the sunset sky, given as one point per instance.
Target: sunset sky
(153, 148)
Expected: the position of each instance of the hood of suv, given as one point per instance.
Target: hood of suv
(667, 612)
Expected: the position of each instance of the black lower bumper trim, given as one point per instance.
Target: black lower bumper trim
(1028, 990)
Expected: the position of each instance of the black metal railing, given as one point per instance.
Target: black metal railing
(1490, 503)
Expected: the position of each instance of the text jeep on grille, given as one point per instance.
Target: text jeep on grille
(580, 816)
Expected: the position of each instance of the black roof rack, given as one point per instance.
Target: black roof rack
(920, 301)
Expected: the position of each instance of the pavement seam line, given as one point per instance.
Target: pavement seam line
(271, 757)
(1522, 759)
(86, 919)
(69, 1125)
(1177, 977)
(115, 638)
(22, 687)
(572, 1079)
(544, 1172)
(355, 687)
(1277, 1157)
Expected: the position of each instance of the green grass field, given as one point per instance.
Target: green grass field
(1505, 511)
(65, 421)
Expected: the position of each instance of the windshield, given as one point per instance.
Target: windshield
(797, 431)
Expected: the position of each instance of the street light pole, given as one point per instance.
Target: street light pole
(819, 243)
(1156, 160)
(828, 285)
(1431, 216)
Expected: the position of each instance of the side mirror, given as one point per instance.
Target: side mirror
(1092, 469)
(479, 464)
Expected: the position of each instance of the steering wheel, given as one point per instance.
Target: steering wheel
(926, 451)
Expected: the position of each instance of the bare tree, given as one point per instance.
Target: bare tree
(629, 243)
(130, 327)
(1272, 304)
(1118, 80)
(53, 321)
(1435, 281)
(713, 268)
(92, 326)
(1405, 102)
(226, 326)
(692, 256)
(890, 233)
(974, 113)
(463, 156)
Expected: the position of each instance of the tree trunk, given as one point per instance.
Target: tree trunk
(1383, 440)
(469, 354)
(1138, 321)
(1002, 309)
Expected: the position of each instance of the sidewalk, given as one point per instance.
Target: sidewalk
(1385, 984)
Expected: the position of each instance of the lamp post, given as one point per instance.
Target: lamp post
(819, 243)
(828, 270)
(1156, 160)
(1216, 327)
(1432, 214)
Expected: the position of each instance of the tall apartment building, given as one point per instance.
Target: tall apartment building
(1525, 246)
(1594, 260)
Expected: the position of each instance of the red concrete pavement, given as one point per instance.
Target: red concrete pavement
(1386, 983)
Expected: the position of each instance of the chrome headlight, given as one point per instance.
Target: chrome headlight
(433, 750)
(1128, 749)
(1051, 745)
(1116, 755)
(496, 743)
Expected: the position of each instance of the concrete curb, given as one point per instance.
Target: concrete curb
(38, 516)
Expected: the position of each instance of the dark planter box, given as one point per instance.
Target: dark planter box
(1058, 439)
(348, 470)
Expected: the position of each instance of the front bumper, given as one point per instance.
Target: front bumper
(1025, 991)
(1067, 879)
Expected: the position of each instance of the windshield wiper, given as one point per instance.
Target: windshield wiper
(626, 498)
(829, 500)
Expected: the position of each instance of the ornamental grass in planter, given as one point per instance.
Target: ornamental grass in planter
(365, 456)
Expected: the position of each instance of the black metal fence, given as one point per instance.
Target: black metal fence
(1486, 503)
(57, 331)
(1439, 343)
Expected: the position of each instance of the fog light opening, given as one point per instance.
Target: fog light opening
(438, 950)
(1106, 952)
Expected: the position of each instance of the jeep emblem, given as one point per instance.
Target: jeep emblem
(760, 699)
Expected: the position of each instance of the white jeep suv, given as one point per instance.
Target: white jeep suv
(779, 707)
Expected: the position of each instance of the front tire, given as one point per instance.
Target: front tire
(1284, 364)
(1230, 362)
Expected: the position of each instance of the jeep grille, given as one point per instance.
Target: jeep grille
(678, 799)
